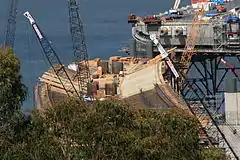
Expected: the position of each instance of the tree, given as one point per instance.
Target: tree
(12, 94)
(213, 153)
(12, 90)
(110, 130)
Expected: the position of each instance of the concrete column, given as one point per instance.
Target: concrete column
(149, 49)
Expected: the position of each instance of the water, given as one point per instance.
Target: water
(105, 25)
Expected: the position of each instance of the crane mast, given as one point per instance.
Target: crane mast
(79, 45)
(11, 24)
(52, 57)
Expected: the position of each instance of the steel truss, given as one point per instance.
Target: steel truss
(219, 35)
(11, 24)
(79, 46)
(209, 72)
(53, 59)
(203, 89)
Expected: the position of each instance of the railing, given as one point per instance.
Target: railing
(138, 37)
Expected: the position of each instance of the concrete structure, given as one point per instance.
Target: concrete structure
(215, 32)
(232, 108)
(143, 79)
(140, 84)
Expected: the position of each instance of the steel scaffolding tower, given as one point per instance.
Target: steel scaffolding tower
(79, 45)
(11, 24)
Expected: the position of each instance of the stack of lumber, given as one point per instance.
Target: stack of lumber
(51, 79)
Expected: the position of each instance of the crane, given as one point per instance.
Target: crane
(164, 54)
(11, 24)
(191, 39)
(176, 4)
(204, 112)
(52, 57)
(79, 45)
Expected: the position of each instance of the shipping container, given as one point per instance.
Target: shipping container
(92, 88)
(101, 84)
(100, 93)
(104, 66)
(117, 67)
(89, 88)
(96, 83)
(110, 89)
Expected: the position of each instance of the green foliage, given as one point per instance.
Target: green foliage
(12, 94)
(108, 130)
(177, 131)
(12, 91)
(213, 154)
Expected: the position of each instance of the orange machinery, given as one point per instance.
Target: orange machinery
(220, 9)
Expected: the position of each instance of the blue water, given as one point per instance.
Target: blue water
(105, 25)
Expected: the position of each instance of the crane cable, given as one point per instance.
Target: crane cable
(31, 64)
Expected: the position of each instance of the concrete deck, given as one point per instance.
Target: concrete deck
(233, 139)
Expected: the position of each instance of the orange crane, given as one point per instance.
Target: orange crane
(192, 38)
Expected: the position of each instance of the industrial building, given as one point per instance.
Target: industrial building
(218, 31)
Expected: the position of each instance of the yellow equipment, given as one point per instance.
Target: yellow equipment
(193, 35)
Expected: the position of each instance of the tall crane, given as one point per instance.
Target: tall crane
(52, 58)
(11, 24)
(79, 45)
(191, 39)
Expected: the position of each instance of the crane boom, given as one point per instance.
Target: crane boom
(79, 45)
(11, 24)
(52, 57)
(176, 4)
(164, 55)
(191, 39)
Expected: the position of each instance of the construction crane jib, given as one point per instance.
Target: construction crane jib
(79, 46)
(164, 54)
(53, 58)
(176, 4)
(192, 38)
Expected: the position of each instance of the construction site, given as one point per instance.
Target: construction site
(187, 57)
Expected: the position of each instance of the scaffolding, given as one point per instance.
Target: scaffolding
(219, 32)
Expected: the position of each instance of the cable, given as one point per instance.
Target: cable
(30, 60)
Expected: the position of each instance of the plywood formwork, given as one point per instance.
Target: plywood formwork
(44, 100)
(51, 79)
